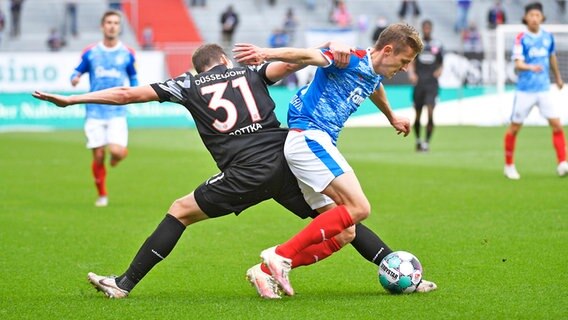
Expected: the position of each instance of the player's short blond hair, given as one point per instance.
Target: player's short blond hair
(110, 13)
(400, 36)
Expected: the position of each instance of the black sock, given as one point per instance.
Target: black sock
(155, 249)
(429, 130)
(369, 245)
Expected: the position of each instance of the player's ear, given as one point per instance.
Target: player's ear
(388, 49)
(226, 61)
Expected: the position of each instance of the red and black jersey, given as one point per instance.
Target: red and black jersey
(232, 109)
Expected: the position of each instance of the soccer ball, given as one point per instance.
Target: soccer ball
(400, 272)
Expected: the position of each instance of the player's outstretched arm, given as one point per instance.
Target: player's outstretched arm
(400, 124)
(114, 96)
(250, 54)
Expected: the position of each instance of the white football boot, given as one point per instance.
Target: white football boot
(511, 172)
(107, 285)
(426, 286)
(279, 266)
(562, 169)
(265, 284)
(101, 201)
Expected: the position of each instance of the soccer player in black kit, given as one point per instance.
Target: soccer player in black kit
(234, 115)
(424, 73)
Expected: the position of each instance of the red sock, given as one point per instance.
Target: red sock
(559, 143)
(323, 227)
(99, 173)
(315, 253)
(509, 148)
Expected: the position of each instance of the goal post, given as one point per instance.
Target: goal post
(504, 39)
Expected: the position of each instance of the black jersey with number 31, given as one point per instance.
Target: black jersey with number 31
(233, 112)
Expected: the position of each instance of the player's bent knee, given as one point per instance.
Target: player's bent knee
(361, 211)
(186, 210)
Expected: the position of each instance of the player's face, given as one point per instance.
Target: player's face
(426, 30)
(111, 27)
(391, 63)
(533, 19)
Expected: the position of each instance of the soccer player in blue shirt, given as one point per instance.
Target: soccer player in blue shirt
(109, 63)
(316, 115)
(535, 57)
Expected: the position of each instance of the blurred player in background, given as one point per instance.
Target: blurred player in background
(534, 56)
(235, 119)
(316, 115)
(424, 72)
(109, 63)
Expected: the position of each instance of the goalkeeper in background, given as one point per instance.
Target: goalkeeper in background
(534, 56)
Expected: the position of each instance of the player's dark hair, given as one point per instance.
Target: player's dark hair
(206, 56)
(110, 13)
(400, 36)
(533, 6)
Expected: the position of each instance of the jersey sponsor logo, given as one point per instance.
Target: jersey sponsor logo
(296, 103)
(427, 58)
(538, 52)
(101, 72)
(218, 76)
(251, 128)
(356, 97)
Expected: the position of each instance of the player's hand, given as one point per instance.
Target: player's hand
(559, 84)
(536, 68)
(412, 77)
(75, 81)
(248, 54)
(59, 100)
(401, 125)
(341, 53)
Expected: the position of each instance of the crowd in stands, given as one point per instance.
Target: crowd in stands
(284, 33)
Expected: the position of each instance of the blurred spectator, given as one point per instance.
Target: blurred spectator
(278, 38)
(15, 11)
(290, 25)
(70, 20)
(362, 23)
(198, 3)
(310, 5)
(229, 23)
(409, 7)
(561, 6)
(463, 12)
(55, 40)
(472, 39)
(380, 25)
(341, 16)
(115, 5)
(272, 3)
(2, 23)
(496, 15)
(148, 38)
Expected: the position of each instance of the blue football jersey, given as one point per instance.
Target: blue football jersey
(334, 94)
(107, 68)
(534, 49)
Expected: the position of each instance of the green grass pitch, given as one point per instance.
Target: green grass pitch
(496, 248)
